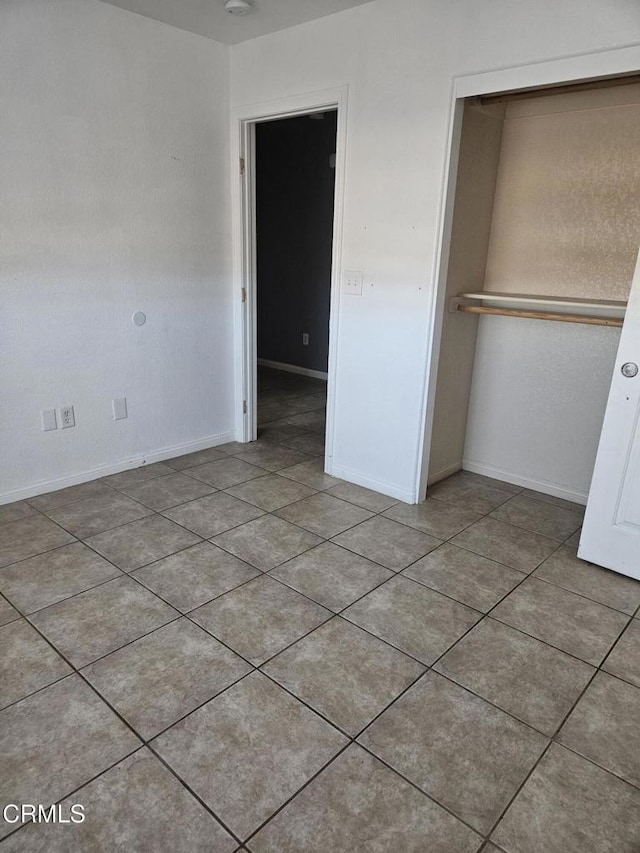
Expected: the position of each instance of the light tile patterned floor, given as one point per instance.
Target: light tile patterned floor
(235, 651)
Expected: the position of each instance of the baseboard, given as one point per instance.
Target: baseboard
(45, 486)
(544, 486)
(444, 472)
(292, 368)
(408, 497)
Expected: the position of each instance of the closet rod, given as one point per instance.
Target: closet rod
(542, 315)
(564, 89)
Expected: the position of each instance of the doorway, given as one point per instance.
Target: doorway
(295, 162)
(303, 379)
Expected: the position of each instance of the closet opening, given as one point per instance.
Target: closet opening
(544, 235)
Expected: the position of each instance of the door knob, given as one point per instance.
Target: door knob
(629, 369)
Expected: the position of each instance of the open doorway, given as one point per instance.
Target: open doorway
(295, 162)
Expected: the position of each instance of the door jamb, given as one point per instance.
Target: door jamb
(244, 121)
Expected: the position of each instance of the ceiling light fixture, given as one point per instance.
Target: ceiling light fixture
(238, 7)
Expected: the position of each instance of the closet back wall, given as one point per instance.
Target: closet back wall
(566, 223)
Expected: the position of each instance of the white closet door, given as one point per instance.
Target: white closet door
(611, 530)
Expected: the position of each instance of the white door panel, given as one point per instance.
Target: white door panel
(611, 531)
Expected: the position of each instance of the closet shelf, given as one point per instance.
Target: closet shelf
(502, 304)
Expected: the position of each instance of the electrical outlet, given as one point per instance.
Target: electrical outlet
(67, 417)
(119, 406)
(305, 339)
(352, 282)
(49, 420)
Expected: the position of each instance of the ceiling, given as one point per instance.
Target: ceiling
(208, 17)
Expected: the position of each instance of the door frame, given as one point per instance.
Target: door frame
(573, 69)
(244, 120)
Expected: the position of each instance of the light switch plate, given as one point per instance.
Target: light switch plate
(49, 420)
(119, 405)
(352, 282)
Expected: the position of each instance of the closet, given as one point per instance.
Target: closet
(545, 235)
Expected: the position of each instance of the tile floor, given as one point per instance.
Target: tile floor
(232, 650)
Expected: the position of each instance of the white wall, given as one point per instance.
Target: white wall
(399, 62)
(114, 194)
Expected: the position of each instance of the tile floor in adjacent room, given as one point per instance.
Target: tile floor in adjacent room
(232, 650)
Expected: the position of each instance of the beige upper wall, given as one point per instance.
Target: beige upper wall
(566, 217)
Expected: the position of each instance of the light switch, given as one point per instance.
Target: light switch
(119, 406)
(49, 420)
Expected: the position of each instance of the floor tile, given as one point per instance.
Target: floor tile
(29, 536)
(544, 518)
(465, 576)
(199, 457)
(194, 576)
(310, 473)
(386, 542)
(366, 498)
(604, 726)
(165, 675)
(415, 619)
(101, 620)
(267, 542)
(135, 476)
(88, 517)
(515, 547)
(7, 612)
(569, 805)
(330, 575)
(564, 569)
(56, 740)
(270, 492)
(230, 448)
(525, 677)
(72, 494)
(154, 812)
(434, 517)
(280, 431)
(564, 620)
(167, 491)
(551, 499)
(43, 580)
(624, 659)
(15, 511)
(213, 514)
(134, 545)
(344, 673)
(226, 472)
(27, 662)
(358, 804)
(248, 750)
(574, 540)
(273, 458)
(260, 619)
(473, 492)
(314, 420)
(324, 515)
(312, 443)
(468, 755)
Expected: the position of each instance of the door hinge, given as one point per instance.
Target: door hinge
(242, 166)
(243, 294)
(244, 407)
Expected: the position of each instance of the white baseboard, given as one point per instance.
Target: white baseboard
(444, 472)
(544, 486)
(292, 368)
(408, 497)
(44, 486)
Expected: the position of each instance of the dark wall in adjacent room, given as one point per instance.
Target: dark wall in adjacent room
(294, 216)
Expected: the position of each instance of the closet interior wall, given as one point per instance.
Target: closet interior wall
(545, 204)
